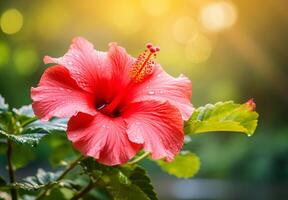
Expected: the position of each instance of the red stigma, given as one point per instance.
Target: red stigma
(149, 45)
(144, 64)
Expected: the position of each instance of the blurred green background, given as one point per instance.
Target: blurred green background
(231, 50)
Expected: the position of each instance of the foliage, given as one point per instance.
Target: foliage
(85, 178)
(184, 165)
(223, 116)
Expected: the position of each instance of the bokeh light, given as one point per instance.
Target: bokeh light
(218, 16)
(185, 29)
(25, 60)
(11, 21)
(198, 49)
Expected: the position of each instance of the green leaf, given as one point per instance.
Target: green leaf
(56, 125)
(32, 134)
(184, 165)
(223, 116)
(28, 130)
(3, 106)
(122, 182)
(6, 121)
(33, 183)
(28, 139)
(140, 178)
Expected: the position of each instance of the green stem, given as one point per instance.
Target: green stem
(84, 191)
(70, 167)
(10, 169)
(64, 173)
(144, 155)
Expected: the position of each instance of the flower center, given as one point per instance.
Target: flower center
(141, 68)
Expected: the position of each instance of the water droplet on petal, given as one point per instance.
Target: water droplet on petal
(161, 92)
(105, 126)
(61, 89)
(70, 63)
(151, 92)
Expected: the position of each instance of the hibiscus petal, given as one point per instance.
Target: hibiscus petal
(161, 86)
(85, 64)
(158, 126)
(101, 137)
(120, 63)
(58, 95)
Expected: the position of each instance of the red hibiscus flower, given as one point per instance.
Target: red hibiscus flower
(117, 104)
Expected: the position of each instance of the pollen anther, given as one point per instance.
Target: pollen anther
(143, 66)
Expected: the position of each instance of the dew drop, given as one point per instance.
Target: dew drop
(70, 63)
(61, 89)
(105, 126)
(161, 92)
(151, 92)
(159, 75)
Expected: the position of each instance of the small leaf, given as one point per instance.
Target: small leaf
(223, 116)
(33, 183)
(28, 139)
(6, 121)
(122, 182)
(56, 125)
(184, 165)
(32, 134)
(140, 178)
(3, 107)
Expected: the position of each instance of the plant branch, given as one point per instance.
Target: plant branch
(144, 155)
(85, 190)
(64, 173)
(10, 169)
